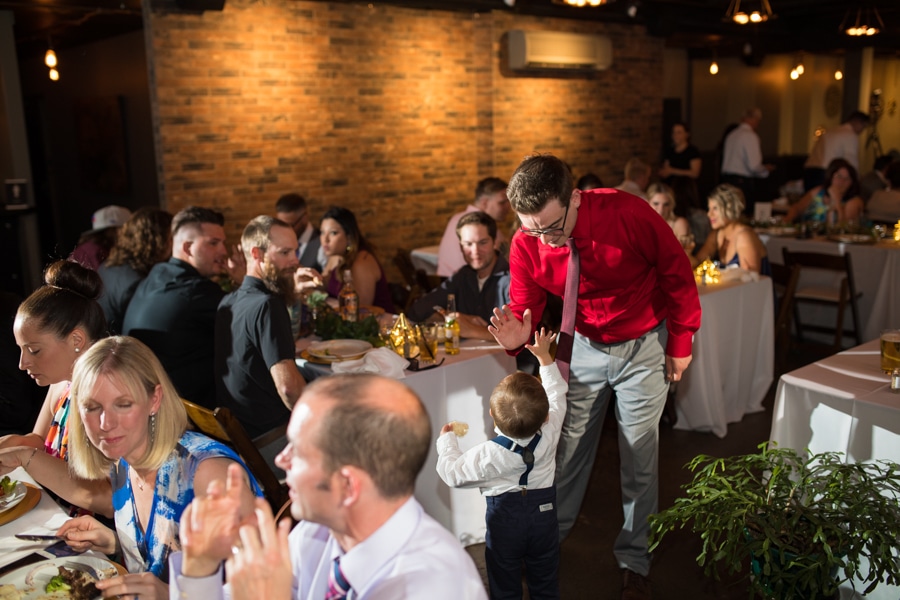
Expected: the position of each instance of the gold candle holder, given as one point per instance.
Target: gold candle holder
(706, 272)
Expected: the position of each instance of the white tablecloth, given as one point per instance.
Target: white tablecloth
(425, 258)
(458, 390)
(44, 519)
(733, 356)
(876, 273)
(842, 404)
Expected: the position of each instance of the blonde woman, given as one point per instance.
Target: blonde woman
(730, 241)
(128, 424)
(662, 199)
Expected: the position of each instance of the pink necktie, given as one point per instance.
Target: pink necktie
(570, 305)
(338, 586)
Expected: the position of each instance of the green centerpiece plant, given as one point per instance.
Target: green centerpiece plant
(804, 525)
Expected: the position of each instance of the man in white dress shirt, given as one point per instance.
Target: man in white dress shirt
(292, 209)
(637, 178)
(490, 197)
(742, 164)
(355, 446)
(837, 142)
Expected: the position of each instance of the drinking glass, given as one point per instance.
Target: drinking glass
(890, 350)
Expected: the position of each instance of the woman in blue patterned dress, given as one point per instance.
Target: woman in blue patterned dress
(129, 424)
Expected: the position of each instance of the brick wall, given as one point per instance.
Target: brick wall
(392, 112)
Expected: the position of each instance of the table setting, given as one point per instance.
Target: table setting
(845, 403)
(733, 351)
(34, 563)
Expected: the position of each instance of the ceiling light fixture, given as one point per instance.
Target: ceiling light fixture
(580, 3)
(762, 12)
(868, 22)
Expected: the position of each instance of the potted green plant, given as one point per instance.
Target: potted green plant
(805, 525)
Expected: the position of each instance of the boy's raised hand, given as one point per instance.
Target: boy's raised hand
(541, 347)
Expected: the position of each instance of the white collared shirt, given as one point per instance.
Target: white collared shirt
(411, 556)
(742, 154)
(493, 469)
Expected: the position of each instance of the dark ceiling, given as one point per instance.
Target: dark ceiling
(698, 25)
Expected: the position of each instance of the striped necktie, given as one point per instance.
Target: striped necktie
(338, 586)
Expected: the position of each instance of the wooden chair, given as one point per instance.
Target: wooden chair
(416, 281)
(841, 295)
(221, 425)
(785, 283)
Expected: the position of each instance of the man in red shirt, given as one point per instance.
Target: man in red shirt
(637, 311)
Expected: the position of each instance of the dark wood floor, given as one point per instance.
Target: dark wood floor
(588, 568)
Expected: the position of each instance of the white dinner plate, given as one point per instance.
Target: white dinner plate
(777, 231)
(339, 349)
(7, 501)
(32, 580)
(853, 238)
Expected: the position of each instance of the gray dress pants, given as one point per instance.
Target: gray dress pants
(635, 370)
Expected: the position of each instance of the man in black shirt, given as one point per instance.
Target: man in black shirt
(479, 286)
(256, 375)
(173, 310)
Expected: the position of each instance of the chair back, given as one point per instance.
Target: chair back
(785, 282)
(841, 294)
(221, 425)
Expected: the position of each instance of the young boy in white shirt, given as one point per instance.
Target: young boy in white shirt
(515, 471)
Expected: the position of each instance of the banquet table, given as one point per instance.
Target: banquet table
(733, 354)
(876, 273)
(841, 404)
(458, 390)
(425, 258)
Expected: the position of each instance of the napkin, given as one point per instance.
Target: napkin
(735, 273)
(380, 360)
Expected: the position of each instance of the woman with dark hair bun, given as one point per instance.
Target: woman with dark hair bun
(144, 240)
(346, 248)
(53, 327)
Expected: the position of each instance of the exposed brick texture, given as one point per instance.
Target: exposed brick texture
(392, 112)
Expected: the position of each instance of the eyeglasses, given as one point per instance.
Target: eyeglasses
(550, 231)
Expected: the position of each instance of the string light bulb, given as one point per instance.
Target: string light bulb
(50, 58)
(713, 67)
(794, 74)
(54, 74)
(838, 75)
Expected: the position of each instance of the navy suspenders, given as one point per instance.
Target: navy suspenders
(527, 452)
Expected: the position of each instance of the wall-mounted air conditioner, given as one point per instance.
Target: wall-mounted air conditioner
(558, 50)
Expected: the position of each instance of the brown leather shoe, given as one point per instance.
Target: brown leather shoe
(635, 586)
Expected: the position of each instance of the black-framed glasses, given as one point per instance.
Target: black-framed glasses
(550, 231)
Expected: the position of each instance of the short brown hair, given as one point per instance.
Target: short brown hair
(477, 217)
(519, 405)
(489, 186)
(195, 216)
(539, 179)
(389, 445)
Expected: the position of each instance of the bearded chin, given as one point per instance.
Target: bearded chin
(280, 284)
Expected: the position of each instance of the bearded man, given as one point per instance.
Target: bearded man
(256, 376)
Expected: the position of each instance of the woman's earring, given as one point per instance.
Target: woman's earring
(152, 428)
(77, 350)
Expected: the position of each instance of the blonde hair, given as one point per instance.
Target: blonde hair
(730, 200)
(135, 368)
(661, 188)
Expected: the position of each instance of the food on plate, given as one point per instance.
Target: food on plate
(460, 428)
(79, 584)
(9, 592)
(7, 486)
